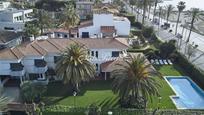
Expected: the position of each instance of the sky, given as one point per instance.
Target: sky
(189, 3)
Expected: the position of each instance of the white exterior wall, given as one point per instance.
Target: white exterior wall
(28, 63)
(5, 66)
(103, 20)
(104, 55)
(15, 26)
(122, 27)
(50, 60)
(91, 29)
(6, 17)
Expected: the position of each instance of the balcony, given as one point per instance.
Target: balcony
(40, 66)
(17, 69)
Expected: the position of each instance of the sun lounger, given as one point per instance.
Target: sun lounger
(156, 61)
(169, 61)
(152, 61)
(165, 62)
(161, 62)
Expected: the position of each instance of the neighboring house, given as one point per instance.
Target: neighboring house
(104, 24)
(10, 39)
(62, 33)
(14, 20)
(4, 5)
(35, 60)
(84, 8)
(107, 1)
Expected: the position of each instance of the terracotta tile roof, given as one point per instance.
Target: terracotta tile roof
(108, 43)
(62, 30)
(11, 54)
(43, 47)
(29, 50)
(108, 29)
(86, 24)
(112, 65)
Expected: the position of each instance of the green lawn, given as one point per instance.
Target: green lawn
(99, 92)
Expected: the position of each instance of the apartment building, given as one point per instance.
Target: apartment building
(14, 20)
(34, 60)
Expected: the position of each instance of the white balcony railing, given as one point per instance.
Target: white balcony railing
(40, 69)
(18, 73)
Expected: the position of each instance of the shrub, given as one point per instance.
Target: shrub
(136, 32)
(131, 17)
(148, 32)
(193, 72)
(138, 25)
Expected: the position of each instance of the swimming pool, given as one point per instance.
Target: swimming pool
(188, 94)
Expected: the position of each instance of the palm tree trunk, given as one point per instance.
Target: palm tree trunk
(155, 6)
(149, 11)
(144, 11)
(138, 14)
(192, 22)
(177, 22)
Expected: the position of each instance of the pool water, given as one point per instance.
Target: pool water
(188, 94)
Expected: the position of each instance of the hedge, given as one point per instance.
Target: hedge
(131, 17)
(194, 73)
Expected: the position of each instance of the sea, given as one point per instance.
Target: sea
(189, 3)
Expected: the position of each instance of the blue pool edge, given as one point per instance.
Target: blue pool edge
(176, 95)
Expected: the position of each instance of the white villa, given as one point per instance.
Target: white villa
(36, 59)
(104, 24)
(13, 19)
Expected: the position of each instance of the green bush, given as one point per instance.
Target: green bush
(131, 17)
(193, 72)
(137, 25)
(136, 32)
(148, 32)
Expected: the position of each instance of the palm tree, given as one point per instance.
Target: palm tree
(160, 13)
(194, 14)
(135, 79)
(74, 65)
(3, 102)
(132, 4)
(181, 6)
(155, 6)
(71, 17)
(169, 10)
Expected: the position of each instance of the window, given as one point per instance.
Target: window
(85, 34)
(65, 36)
(96, 54)
(96, 67)
(92, 53)
(58, 35)
(115, 54)
(8, 28)
(56, 58)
